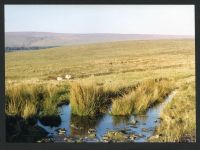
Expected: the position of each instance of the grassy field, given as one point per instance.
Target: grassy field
(132, 74)
(102, 59)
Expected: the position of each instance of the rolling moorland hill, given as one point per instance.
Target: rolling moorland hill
(101, 59)
(37, 40)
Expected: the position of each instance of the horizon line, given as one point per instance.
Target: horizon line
(99, 33)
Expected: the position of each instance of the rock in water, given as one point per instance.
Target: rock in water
(153, 137)
(145, 129)
(133, 121)
(90, 131)
(62, 131)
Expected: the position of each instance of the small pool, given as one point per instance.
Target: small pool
(78, 126)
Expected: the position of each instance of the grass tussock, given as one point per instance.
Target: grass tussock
(86, 98)
(178, 123)
(123, 105)
(27, 100)
(89, 97)
(20, 98)
(146, 94)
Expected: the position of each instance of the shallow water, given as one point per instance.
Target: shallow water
(78, 126)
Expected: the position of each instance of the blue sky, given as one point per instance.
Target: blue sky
(125, 19)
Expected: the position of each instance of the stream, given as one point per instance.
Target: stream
(77, 127)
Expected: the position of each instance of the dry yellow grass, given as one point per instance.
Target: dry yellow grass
(86, 98)
(146, 94)
(178, 122)
(101, 59)
(124, 105)
(29, 111)
(25, 99)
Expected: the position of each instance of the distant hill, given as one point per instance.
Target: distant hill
(32, 40)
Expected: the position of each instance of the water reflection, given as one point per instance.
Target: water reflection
(142, 118)
(79, 126)
(53, 121)
(117, 120)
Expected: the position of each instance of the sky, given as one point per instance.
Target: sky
(124, 19)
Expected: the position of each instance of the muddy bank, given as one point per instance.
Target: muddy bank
(20, 130)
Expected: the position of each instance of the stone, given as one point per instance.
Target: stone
(90, 131)
(145, 130)
(39, 141)
(154, 137)
(105, 138)
(133, 126)
(61, 131)
(133, 136)
(92, 135)
(133, 121)
(141, 135)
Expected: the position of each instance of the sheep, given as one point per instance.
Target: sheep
(59, 78)
(68, 76)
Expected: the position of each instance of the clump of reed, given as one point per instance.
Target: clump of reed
(23, 100)
(26, 100)
(123, 105)
(86, 98)
(146, 94)
(178, 119)
(89, 97)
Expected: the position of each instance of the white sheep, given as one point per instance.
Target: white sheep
(68, 76)
(59, 78)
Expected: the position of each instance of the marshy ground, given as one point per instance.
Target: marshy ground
(111, 82)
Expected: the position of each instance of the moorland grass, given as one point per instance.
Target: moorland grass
(28, 99)
(89, 98)
(178, 121)
(146, 94)
(124, 105)
(100, 59)
(86, 98)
